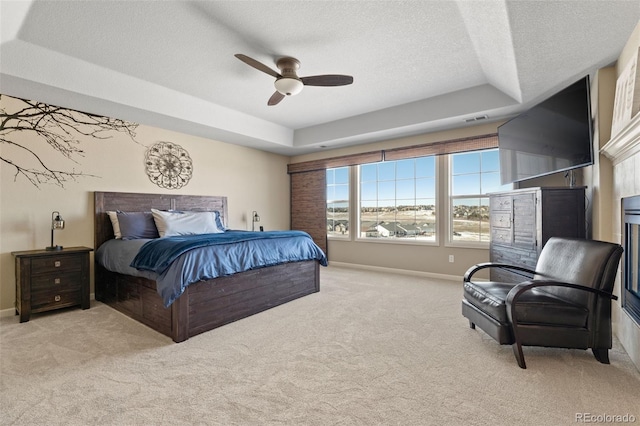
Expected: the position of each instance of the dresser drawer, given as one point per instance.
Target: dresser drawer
(501, 203)
(60, 281)
(501, 236)
(500, 220)
(52, 298)
(511, 256)
(56, 264)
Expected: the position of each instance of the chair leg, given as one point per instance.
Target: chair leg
(601, 355)
(517, 351)
(472, 325)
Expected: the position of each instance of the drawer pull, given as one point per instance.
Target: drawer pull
(57, 263)
(56, 281)
(57, 298)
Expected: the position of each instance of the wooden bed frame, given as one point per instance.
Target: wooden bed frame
(204, 305)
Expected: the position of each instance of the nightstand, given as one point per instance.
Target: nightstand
(51, 279)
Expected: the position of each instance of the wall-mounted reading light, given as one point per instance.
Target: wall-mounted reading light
(255, 218)
(56, 223)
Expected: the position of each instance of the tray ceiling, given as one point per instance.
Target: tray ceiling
(418, 66)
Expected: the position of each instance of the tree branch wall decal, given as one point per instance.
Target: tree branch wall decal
(59, 128)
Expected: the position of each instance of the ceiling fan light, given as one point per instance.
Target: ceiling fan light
(289, 86)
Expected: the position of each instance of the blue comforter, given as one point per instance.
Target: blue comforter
(182, 260)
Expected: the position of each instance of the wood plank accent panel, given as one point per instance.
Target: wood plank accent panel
(204, 305)
(444, 147)
(308, 205)
(329, 163)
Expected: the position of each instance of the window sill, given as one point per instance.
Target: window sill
(397, 241)
(339, 238)
(468, 245)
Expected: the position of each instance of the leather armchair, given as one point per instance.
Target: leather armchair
(565, 303)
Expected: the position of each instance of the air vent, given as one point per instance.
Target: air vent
(481, 117)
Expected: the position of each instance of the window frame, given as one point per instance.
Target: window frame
(449, 206)
(346, 237)
(442, 151)
(408, 241)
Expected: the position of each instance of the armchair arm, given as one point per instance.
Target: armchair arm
(480, 266)
(512, 300)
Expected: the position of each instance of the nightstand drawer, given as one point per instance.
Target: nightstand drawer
(56, 281)
(56, 264)
(47, 299)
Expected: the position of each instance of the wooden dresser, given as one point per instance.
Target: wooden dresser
(47, 280)
(524, 219)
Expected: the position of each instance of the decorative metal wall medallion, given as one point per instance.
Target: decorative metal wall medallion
(168, 165)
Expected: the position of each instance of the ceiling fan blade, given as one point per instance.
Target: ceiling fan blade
(327, 80)
(275, 98)
(257, 65)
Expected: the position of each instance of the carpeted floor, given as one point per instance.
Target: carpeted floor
(369, 349)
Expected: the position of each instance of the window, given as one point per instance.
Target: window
(472, 176)
(398, 200)
(338, 202)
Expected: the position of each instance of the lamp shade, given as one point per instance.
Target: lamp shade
(57, 222)
(289, 86)
(254, 218)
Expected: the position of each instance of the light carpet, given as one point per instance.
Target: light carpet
(370, 349)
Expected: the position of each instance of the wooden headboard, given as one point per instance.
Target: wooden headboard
(136, 202)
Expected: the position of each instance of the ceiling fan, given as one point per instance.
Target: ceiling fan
(287, 81)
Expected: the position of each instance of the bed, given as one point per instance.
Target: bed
(204, 305)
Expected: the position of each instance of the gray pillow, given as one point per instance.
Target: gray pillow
(135, 225)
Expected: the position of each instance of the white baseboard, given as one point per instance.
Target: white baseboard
(396, 271)
(7, 312)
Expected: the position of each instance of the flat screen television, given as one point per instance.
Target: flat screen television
(553, 136)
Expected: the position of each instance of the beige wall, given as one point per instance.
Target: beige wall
(252, 179)
(600, 177)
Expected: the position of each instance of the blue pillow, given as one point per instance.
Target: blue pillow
(134, 225)
(219, 223)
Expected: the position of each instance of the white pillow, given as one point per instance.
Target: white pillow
(185, 223)
(115, 224)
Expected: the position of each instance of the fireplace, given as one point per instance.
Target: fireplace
(631, 242)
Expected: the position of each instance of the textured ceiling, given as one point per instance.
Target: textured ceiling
(418, 66)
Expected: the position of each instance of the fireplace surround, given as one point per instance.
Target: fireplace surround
(631, 263)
